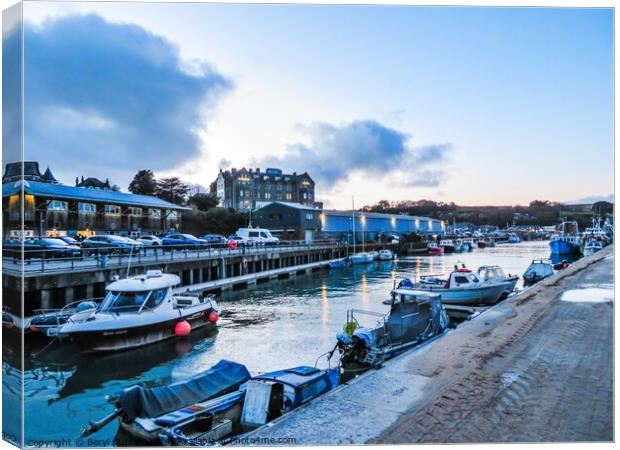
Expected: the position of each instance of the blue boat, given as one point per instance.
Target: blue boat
(339, 263)
(567, 240)
(513, 238)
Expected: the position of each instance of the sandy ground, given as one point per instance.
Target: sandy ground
(545, 375)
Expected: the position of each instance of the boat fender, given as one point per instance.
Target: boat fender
(182, 328)
(213, 317)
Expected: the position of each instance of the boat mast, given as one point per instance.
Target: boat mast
(353, 220)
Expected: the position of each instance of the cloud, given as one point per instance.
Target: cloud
(363, 146)
(106, 99)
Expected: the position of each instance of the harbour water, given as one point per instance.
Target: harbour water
(273, 325)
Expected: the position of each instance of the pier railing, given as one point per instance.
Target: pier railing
(45, 261)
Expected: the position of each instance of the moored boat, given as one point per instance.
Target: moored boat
(434, 249)
(538, 270)
(592, 246)
(483, 244)
(386, 255)
(468, 244)
(339, 263)
(496, 273)
(513, 238)
(566, 240)
(447, 245)
(462, 287)
(138, 311)
(361, 258)
(373, 254)
(414, 317)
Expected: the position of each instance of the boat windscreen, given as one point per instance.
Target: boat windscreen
(123, 302)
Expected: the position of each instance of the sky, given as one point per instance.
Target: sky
(470, 105)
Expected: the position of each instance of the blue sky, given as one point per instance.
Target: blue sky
(471, 105)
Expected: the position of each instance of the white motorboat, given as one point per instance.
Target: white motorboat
(137, 311)
(374, 254)
(495, 274)
(386, 255)
(462, 287)
(362, 258)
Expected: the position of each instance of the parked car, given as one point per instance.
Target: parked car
(182, 241)
(106, 244)
(150, 240)
(136, 244)
(239, 240)
(41, 248)
(258, 235)
(69, 240)
(215, 239)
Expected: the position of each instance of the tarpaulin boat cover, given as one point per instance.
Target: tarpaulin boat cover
(224, 377)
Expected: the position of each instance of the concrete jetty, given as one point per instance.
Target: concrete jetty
(537, 367)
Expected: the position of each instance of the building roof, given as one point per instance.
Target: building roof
(293, 205)
(373, 215)
(61, 191)
(48, 176)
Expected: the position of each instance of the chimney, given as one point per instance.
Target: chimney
(76, 181)
(82, 178)
(257, 169)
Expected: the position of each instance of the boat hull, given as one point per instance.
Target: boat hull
(136, 336)
(361, 259)
(486, 295)
(435, 251)
(560, 247)
(448, 248)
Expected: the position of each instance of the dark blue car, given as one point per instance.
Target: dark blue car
(184, 241)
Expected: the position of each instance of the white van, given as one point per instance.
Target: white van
(258, 235)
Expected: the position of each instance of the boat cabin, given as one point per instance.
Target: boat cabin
(491, 272)
(138, 293)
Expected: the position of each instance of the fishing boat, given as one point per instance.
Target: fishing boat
(538, 270)
(496, 273)
(462, 287)
(566, 240)
(138, 311)
(447, 245)
(592, 246)
(459, 247)
(434, 249)
(339, 263)
(362, 258)
(482, 244)
(386, 255)
(468, 244)
(414, 317)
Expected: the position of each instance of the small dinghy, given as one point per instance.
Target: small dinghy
(339, 263)
(137, 311)
(414, 317)
(538, 270)
(386, 255)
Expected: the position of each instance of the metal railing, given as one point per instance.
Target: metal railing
(44, 261)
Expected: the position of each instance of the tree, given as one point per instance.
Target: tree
(143, 183)
(203, 202)
(172, 189)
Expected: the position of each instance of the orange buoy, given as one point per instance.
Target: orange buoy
(182, 328)
(213, 317)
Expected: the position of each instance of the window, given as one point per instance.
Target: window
(253, 234)
(460, 279)
(88, 208)
(304, 196)
(268, 195)
(57, 205)
(289, 196)
(154, 213)
(173, 214)
(309, 216)
(123, 301)
(156, 297)
(240, 192)
(113, 210)
(133, 211)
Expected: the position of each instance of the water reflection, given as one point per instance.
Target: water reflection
(269, 326)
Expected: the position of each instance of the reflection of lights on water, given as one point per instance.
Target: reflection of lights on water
(365, 297)
(324, 307)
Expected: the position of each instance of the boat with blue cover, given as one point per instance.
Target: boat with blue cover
(216, 405)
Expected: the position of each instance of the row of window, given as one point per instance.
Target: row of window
(266, 195)
(112, 210)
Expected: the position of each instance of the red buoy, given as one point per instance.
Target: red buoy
(182, 328)
(213, 317)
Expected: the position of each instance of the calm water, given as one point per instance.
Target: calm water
(274, 325)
